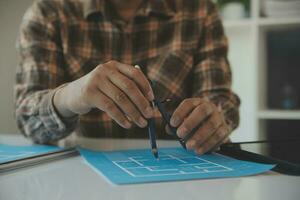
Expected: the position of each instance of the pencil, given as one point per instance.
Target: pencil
(152, 137)
(165, 115)
(151, 130)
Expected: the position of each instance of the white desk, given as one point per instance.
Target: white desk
(72, 179)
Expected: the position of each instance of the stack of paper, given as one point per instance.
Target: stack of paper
(282, 8)
(15, 157)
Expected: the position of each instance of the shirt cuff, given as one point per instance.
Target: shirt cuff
(52, 119)
(230, 110)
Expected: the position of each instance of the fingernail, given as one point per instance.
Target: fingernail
(127, 124)
(174, 121)
(150, 96)
(200, 151)
(137, 66)
(149, 112)
(167, 130)
(191, 144)
(181, 131)
(142, 122)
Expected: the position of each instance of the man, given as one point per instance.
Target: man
(76, 70)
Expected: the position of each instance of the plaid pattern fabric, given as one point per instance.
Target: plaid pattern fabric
(178, 44)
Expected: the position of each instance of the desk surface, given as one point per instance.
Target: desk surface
(73, 179)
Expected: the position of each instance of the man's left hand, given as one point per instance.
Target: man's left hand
(212, 130)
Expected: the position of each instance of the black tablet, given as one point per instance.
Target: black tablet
(284, 153)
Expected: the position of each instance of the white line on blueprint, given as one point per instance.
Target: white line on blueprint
(173, 171)
(213, 163)
(124, 169)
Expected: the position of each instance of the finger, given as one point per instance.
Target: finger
(138, 76)
(208, 128)
(102, 102)
(123, 102)
(168, 130)
(198, 115)
(213, 141)
(183, 110)
(133, 92)
(217, 146)
(224, 141)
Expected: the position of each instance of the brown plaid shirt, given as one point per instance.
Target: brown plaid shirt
(179, 44)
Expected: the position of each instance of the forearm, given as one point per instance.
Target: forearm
(41, 69)
(212, 74)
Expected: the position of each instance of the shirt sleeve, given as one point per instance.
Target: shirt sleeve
(212, 77)
(40, 71)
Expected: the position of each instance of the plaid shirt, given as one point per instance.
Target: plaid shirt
(178, 44)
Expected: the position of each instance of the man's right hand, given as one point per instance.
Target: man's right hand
(120, 90)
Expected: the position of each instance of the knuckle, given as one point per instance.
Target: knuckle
(129, 85)
(99, 67)
(196, 101)
(205, 109)
(111, 72)
(211, 125)
(188, 126)
(135, 72)
(100, 70)
(133, 114)
(109, 106)
(111, 63)
(186, 102)
(97, 76)
(120, 97)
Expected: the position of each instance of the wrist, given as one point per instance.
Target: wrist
(60, 102)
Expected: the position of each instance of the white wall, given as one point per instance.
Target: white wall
(241, 45)
(11, 12)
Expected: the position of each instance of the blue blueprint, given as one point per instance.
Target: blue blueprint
(139, 166)
(11, 152)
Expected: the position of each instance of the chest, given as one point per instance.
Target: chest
(163, 48)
